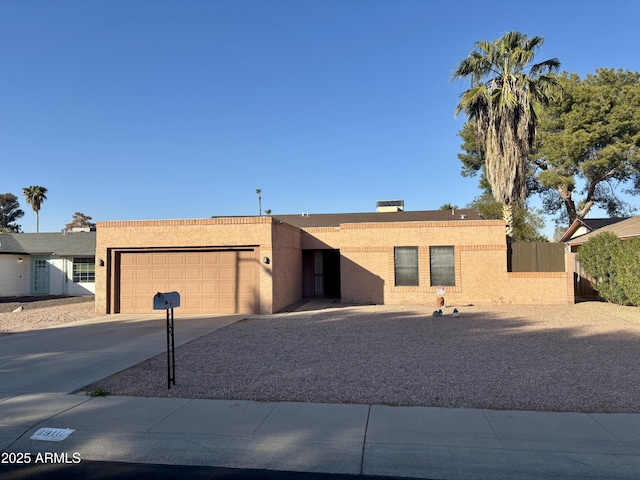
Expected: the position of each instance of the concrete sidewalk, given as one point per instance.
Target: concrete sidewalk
(420, 442)
(38, 370)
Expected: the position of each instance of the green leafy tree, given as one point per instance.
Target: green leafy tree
(627, 265)
(472, 156)
(598, 256)
(507, 90)
(10, 212)
(80, 220)
(35, 195)
(591, 138)
(527, 223)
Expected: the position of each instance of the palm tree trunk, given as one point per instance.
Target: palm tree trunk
(37, 222)
(507, 215)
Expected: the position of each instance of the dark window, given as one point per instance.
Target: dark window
(443, 268)
(84, 270)
(406, 266)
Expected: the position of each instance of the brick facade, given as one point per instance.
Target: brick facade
(366, 262)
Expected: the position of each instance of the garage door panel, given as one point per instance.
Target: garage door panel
(159, 274)
(126, 304)
(176, 287)
(176, 259)
(160, 259)
(245, 304)
(208, 282)
(245, 288)
(227, 274)
(210, 274)
(211, 304)
(193, 258)
(143, 304)
(127, 260)
(227, 304)
(192, 289)
(191, 304)
(245, 270)
(192, 274)
(177, 274)
(143, 289)
(140, 260)
(228, 258)
(227, 289)
(141, 275)
(127, 274)
(211, 258)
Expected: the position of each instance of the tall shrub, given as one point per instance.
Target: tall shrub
(598, 256)
(628, 270)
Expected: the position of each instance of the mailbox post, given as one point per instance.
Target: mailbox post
(167, 301)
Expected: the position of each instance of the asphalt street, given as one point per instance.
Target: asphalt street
(118, 470)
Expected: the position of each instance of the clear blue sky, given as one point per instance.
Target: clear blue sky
(155, 109)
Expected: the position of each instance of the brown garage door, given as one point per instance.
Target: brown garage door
(208, 282)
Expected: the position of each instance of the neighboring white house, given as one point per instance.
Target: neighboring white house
(47, 264)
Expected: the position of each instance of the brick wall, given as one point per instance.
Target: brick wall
(285, 276)
(366, 259)
(480, 256)
(210, 232)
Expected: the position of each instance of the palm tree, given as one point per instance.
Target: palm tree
(259, 192)
(35, 195)
(506, 91)
(448, 206)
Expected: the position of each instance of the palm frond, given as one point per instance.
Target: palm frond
(548, 66)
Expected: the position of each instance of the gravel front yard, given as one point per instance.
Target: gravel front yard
(42, 312)
(582, 357)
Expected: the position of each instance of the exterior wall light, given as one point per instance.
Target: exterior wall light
(19, 259)
(101, 263)
(266, 260)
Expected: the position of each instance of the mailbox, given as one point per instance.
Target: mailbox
(165, 301)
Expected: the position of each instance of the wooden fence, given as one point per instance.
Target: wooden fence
(550, 257)
(536, 257)
(583, 283)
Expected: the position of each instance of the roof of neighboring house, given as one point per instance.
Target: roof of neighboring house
(623, 229)
(336, 219)
(60, 244)
(591, 224)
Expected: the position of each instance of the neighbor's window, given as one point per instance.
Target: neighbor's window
(406, 266)
(84, 270)
(443, 268)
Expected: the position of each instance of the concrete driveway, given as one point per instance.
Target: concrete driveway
(65, 358)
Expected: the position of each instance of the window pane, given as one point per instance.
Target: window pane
(84, 270)
(406, 266)
(443, 270)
